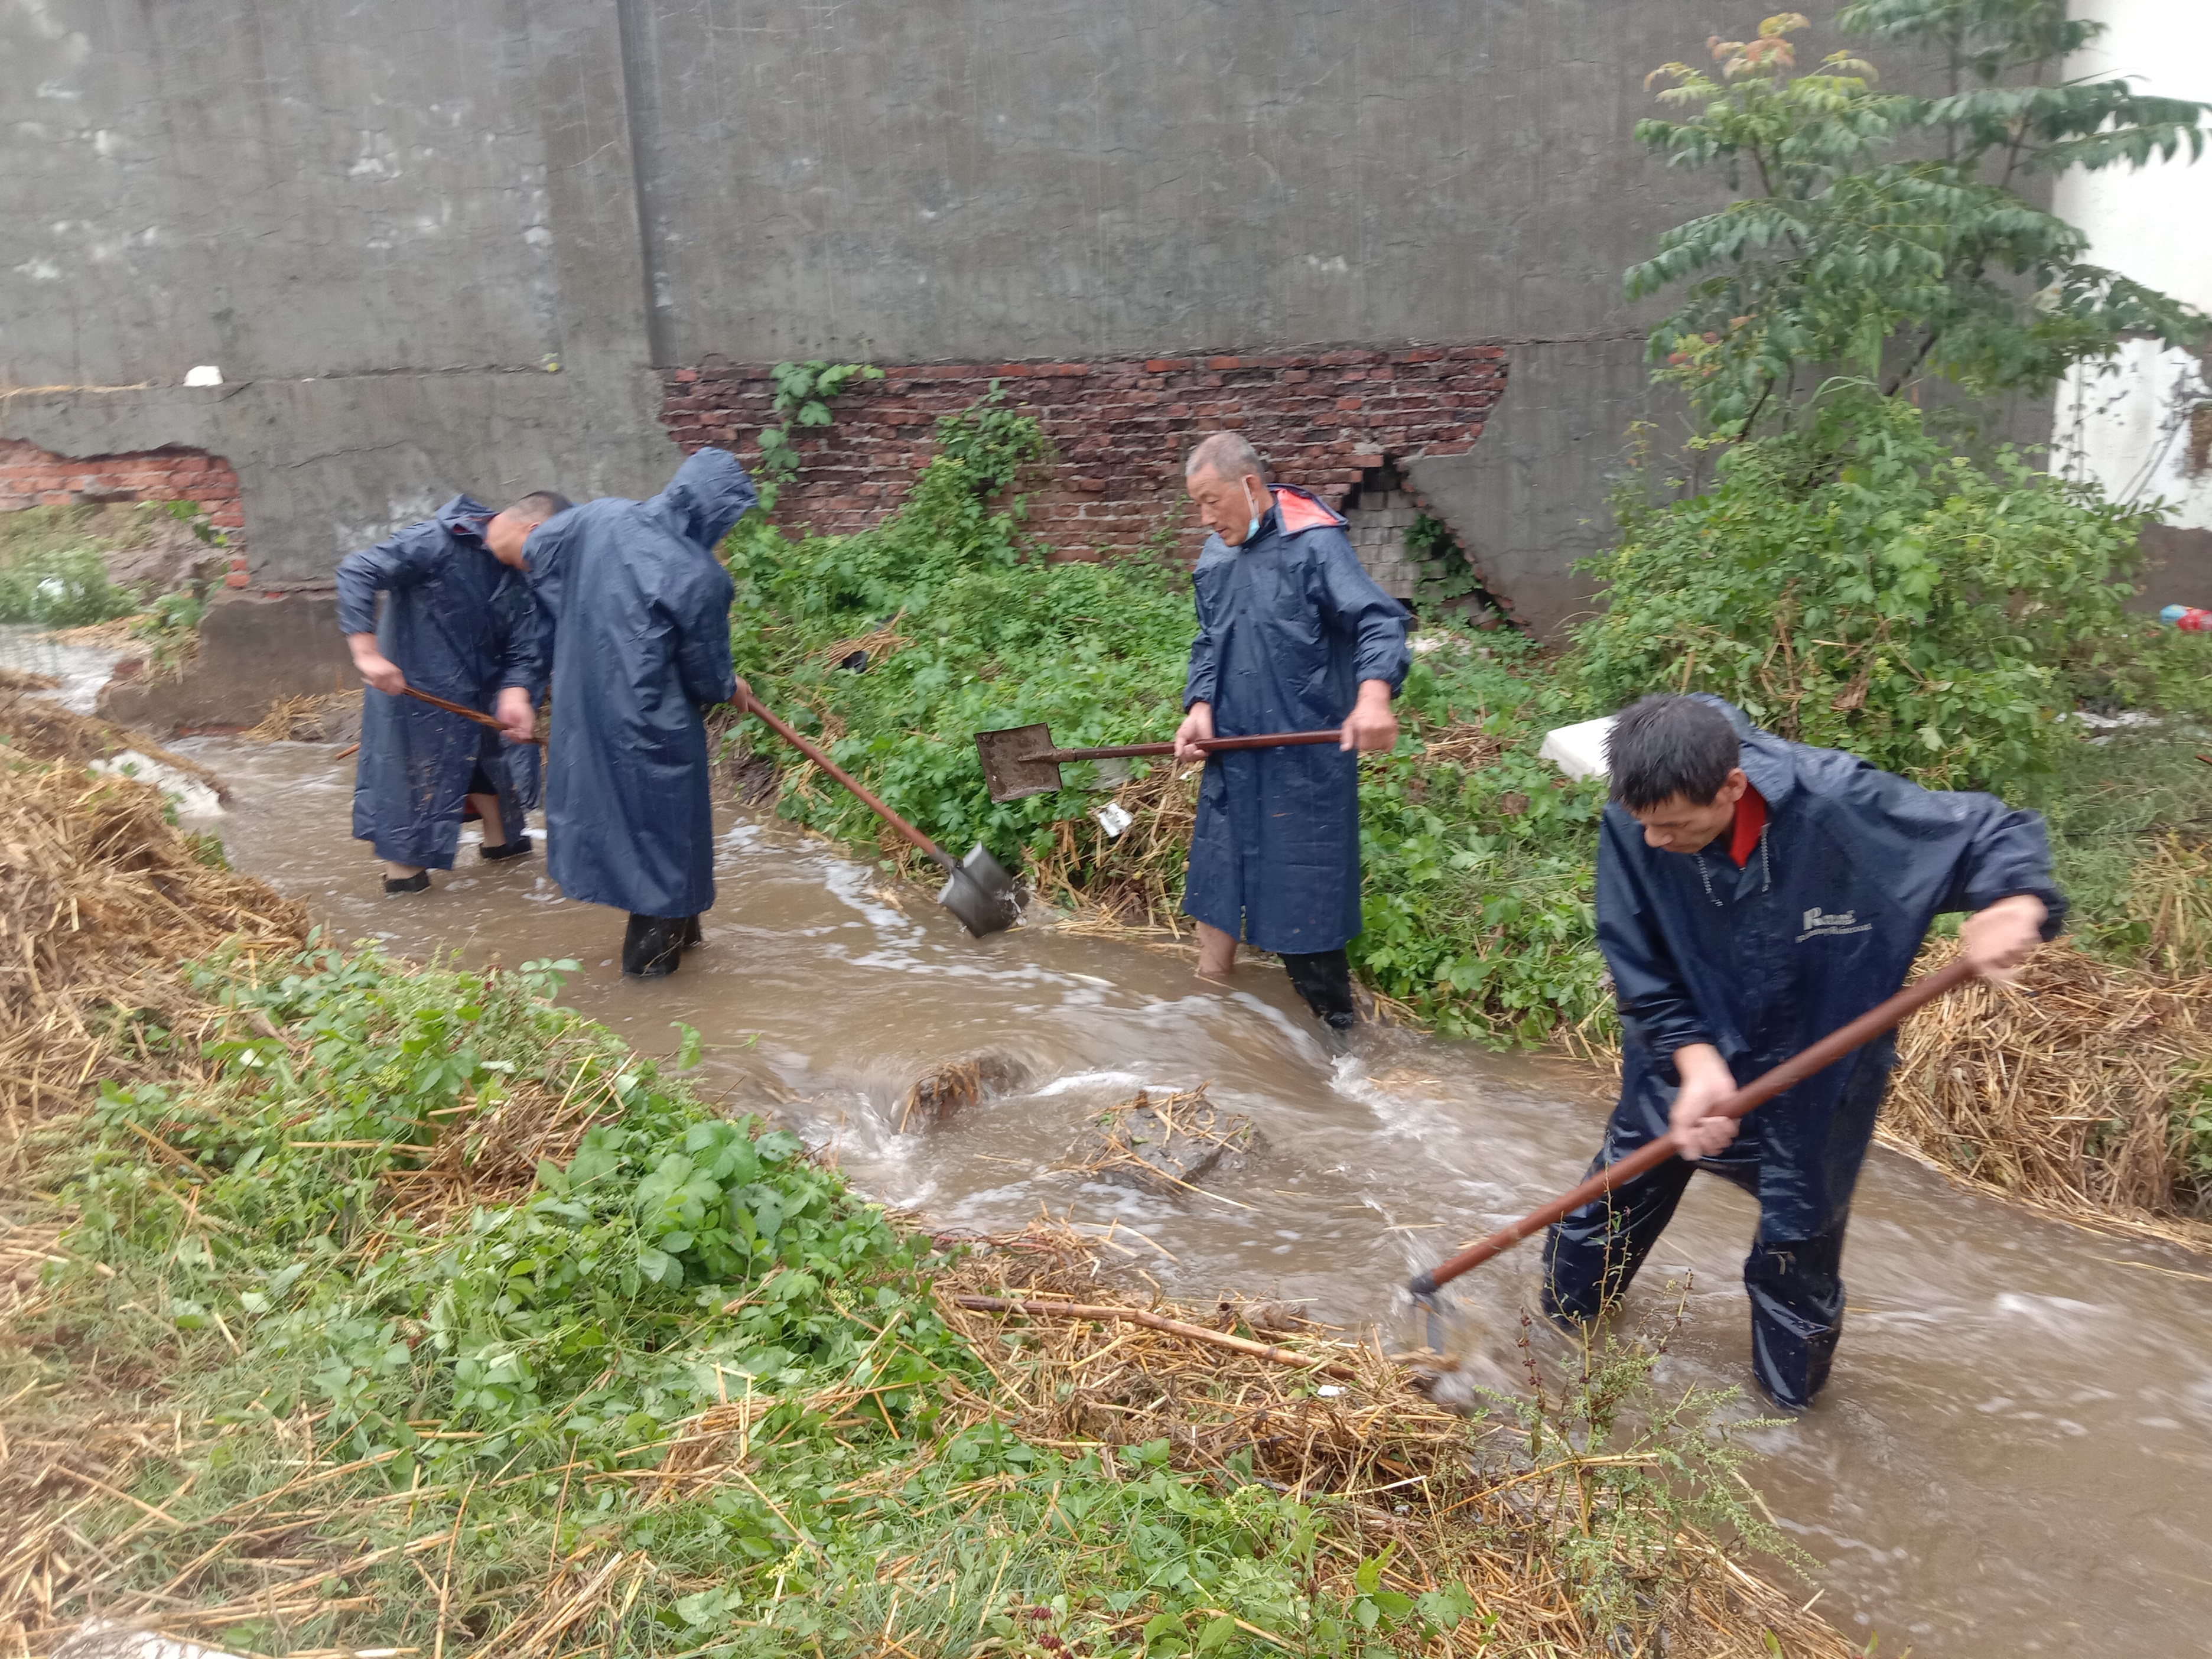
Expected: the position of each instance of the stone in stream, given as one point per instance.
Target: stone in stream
(1166, 1144)
(944, 1090)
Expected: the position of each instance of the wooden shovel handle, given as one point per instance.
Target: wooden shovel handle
(462, 710)
(745, 704)
(1210, 745)
(1757, 1092)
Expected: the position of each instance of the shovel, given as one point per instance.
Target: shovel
(1020, 760)
(462, 710)
(977, 890)
(1757, 1092)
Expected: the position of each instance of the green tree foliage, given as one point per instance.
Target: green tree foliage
(1853, 247)
(1852, 584)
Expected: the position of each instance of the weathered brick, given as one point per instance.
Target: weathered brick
(1121, 428)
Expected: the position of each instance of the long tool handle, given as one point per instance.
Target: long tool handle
(751, 705)
(462, 710)
(1757, 1092)
(1210, 745)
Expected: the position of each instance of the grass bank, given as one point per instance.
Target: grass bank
(354, 1304)
(897, 645)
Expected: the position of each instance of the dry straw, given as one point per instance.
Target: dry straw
(100, 900)
(2057, 1092)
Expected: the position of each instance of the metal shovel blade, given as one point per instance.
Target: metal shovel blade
(981, 894)
(1010, 768)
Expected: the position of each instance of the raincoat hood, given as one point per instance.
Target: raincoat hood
(709, 494)
(464, 517)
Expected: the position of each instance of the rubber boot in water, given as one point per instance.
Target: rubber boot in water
(652, 946)
(1324, 980)
(417, 883)
(691, 934)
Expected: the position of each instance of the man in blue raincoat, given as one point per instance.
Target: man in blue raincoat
(459, 624)
(1293, 636)
(1753, 895)
(641, 610)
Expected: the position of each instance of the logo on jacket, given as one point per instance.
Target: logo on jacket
(1820, 924)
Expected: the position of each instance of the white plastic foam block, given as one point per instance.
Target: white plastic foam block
(204, 375)
(1578, 750)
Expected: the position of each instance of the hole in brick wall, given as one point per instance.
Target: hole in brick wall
(1385, 520)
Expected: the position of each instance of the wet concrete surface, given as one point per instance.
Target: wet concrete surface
(2013, 1454)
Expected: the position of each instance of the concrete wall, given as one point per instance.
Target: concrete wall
(443, 244)
(2143, 429)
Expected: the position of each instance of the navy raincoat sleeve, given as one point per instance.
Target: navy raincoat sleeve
(1658, 1011)
(458, 625)
(639, 609)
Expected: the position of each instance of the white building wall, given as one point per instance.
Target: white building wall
(2144, 428)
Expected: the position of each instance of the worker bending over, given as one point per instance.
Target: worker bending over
(1754, 895)
(641, 610)
(459, 624)
(1292, 635)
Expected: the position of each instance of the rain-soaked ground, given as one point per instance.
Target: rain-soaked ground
(2015, 1454)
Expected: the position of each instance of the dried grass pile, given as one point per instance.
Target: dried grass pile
(1166, 1143)
(2057, 1092)
(1125, 883)
(1443, 1499)
(330, 717)
(22, 679)
(101, 899)
(37, 728)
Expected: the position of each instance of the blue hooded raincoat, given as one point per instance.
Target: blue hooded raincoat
(1289, 624)
(1822, 923)
(641, 648)
(461, 626)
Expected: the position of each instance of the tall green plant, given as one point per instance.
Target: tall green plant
(1849, 247)
(1852, 584)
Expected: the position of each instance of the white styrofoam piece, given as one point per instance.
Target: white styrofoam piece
(1579, 750)
(205, 375)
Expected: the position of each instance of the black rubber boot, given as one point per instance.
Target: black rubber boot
(417, 883)
(1324, 980)
(653, 946)
(691, 934)
(517, 848)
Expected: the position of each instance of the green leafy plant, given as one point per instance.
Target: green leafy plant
(61, 588)
(1853, 584)
(803, 393)
(1852, 249)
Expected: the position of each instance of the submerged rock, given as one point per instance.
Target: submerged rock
(1167, 1143)
(944, 1090)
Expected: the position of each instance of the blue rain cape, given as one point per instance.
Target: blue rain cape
(461, 626)
(1822, 923)
(640, 612)
(1289, 624)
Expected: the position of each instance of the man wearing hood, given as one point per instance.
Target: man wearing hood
(641, 610)
(1293, 634)
(459, 624)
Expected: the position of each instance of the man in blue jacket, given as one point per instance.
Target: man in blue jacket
(459, 624)
(1752, 896)
(640, 609)
(1292, 635)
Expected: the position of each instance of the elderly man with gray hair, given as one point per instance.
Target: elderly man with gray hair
(1292, 635)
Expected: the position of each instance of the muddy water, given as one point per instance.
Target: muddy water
(2016, 1449)
(80, 669)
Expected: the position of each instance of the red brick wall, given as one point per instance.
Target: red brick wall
(1122, 429)
(30, 477)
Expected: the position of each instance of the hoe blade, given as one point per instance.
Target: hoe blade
(981, 895)
(1009, 770)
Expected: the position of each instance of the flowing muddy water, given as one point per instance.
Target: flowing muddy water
(2015, 1453)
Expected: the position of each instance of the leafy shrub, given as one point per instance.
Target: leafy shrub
(1856, 585)
(60, 588)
